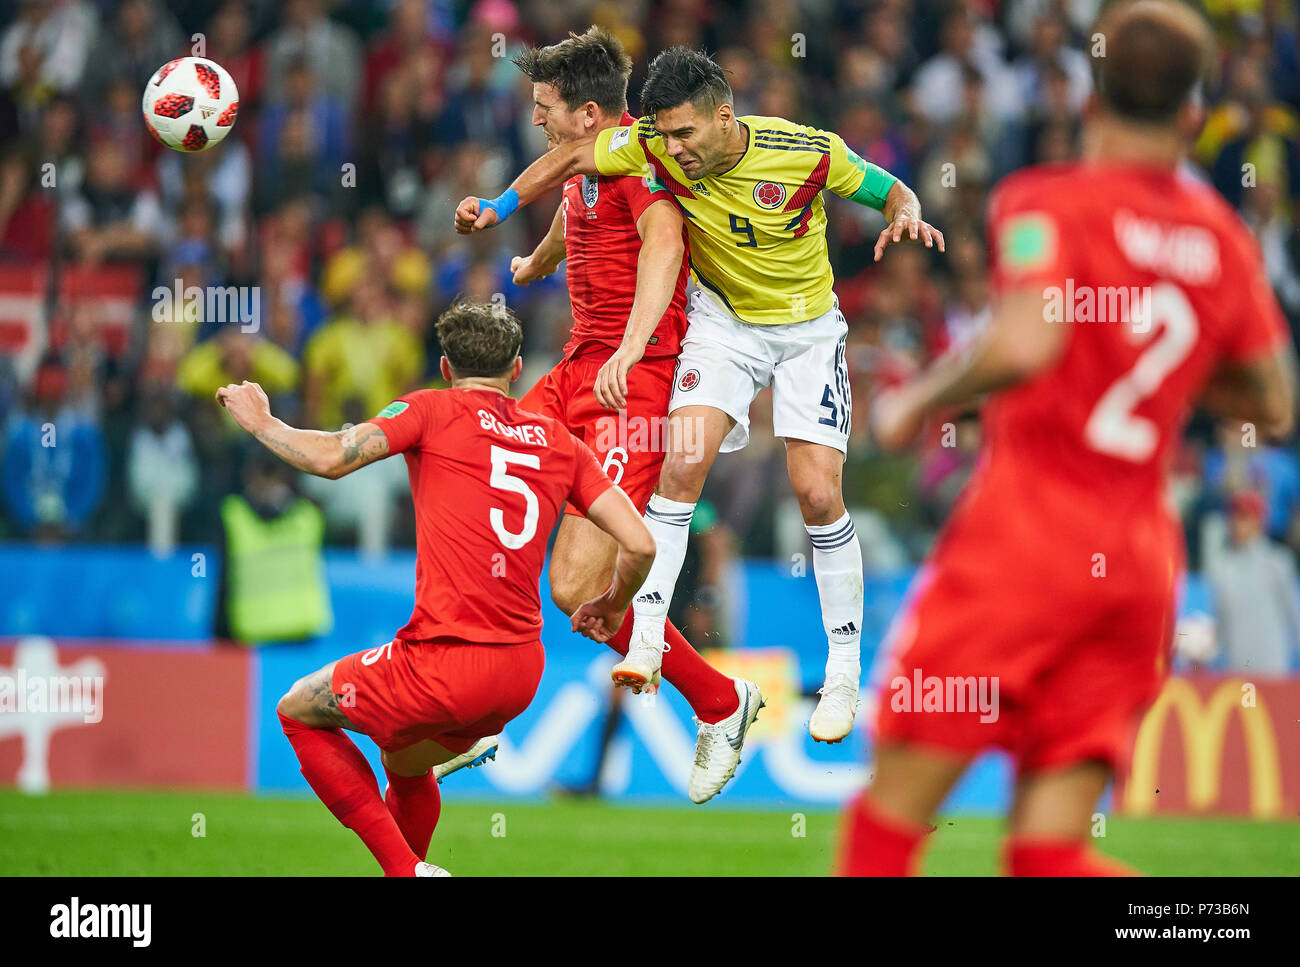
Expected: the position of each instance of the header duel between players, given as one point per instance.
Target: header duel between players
(764, 314)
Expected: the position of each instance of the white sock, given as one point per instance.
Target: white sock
(837, 566)
(670, 523)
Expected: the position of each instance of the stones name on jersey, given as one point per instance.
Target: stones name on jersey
(531, 433)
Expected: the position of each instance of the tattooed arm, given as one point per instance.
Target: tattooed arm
(331, 455)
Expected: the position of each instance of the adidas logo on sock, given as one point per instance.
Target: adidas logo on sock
(848, 629)
(651, 598)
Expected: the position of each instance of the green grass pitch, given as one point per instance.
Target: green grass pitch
(153, 833)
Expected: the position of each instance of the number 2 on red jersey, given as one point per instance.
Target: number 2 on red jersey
(1113, 428)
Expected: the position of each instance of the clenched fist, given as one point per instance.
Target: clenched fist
(247, 403)
(470, 219)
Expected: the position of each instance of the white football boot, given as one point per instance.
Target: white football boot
(717, 747)
(640, 668)
(479, 753)
(428, 869)
(832, 720)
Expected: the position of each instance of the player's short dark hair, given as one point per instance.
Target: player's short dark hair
(1156, 52)
(591, 66)
(680, 75)
(479, 338)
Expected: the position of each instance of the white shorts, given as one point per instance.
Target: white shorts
(725, 362)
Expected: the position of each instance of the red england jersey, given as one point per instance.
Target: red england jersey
(1156, 280)
(602, 246)
(489, 479)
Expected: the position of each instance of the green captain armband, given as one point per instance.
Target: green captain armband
(876, 182)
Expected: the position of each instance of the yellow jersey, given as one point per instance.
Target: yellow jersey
(757, 232)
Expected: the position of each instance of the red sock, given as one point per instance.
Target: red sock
(416, 804)
(340, 775)
(711, 694)
(1058, 857)
(872, 844)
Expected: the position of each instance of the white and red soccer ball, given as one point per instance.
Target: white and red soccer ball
(190, 103)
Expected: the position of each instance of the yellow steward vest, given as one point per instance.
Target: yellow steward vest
(275, 572)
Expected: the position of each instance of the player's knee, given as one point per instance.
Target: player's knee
(820, 501)
(682, 478)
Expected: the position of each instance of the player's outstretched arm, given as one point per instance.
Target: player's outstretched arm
(331, 455)
(1018, 344)
(600, 618)
(657, 268)
(903, 212)
(549, 171)
(546, 258)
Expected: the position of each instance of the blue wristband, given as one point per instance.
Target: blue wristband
(503, 204)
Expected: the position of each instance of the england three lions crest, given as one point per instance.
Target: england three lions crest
(590, 190)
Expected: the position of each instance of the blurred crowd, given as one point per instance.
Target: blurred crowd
(363, 122)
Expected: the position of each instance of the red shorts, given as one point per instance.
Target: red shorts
(1069, 660)
(628, 444)
(455, 693)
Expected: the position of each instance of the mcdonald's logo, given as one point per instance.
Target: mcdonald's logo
(1205, 727)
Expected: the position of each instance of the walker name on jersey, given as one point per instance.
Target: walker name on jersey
(1187, 253)
(531, 433)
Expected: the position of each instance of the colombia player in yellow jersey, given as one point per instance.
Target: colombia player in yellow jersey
(763, 314)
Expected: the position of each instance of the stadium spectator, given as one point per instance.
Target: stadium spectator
(27, 209)
(1265, 211)
(1262, 148)
(330, 51)
(230, 44)
(397, 136)
(111, 217)
(233, 356)
(95, 377)
(1022, 15)
(119, 121)
(55, 462)
(161, 470)
(478, 104)
(363, 352)
(409, 38)
(1256, 602)
(1240, 463)
(937, 88)
(191, 247)
(1049, 56)
(273, 570)
(141, 38)
(305, 138)
(224, 179)
(44, 50)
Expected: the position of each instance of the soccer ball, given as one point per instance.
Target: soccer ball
(190, 104)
